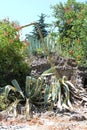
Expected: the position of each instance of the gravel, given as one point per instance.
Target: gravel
(17, 127)
(47, 121)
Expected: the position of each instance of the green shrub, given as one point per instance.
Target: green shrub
(12, 64)
(71, 25)
(3, 102)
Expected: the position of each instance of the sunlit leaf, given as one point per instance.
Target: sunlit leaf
(8, 88)
(16, 85)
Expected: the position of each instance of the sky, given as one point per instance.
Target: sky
(27, 11)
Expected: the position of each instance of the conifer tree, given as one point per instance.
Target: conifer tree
(42, 26)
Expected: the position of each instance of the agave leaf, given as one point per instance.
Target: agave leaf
(28, 106)
(68, 99)
(68, 95)
(54, 91)
(59, 103)
(16, 85)
(15, 106)
(49, 95)
(55, 85)
(46, 94)
(12, 107)
(65, 106)
(28, 85)
(64, 83)
(2, 90)
(69, 83)
(69, 104)
(84, 99)
(34, 87)
(67, 91)
(48, 72)
(8, 88)
(37, 87)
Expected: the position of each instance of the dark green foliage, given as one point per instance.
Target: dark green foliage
(42, 25)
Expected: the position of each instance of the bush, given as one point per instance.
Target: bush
(12, 63)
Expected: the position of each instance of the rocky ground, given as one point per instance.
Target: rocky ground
(76, 119)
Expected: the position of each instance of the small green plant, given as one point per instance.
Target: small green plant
(3, 102)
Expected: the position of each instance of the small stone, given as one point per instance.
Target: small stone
(77, 118)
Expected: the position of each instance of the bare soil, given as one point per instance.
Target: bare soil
(76, 119)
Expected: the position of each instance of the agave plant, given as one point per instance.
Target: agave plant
(59, 91)
(31, 92)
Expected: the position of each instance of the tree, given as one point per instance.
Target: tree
(71, 24)
(42, 25)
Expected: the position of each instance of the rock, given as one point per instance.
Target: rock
(2, 116)
(65, 67)
(77, 118)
